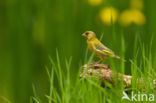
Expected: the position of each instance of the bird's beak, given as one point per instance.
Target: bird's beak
(83, 35)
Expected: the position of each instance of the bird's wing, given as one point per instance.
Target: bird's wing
(103, 49)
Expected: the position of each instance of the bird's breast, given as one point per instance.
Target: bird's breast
(90, 45)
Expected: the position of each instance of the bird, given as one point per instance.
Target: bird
(97, 47)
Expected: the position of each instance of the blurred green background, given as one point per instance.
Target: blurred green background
(32, 30)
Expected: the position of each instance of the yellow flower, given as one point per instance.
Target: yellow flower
(129, 17)
(109, 15)
(136, 4)
(95, 2)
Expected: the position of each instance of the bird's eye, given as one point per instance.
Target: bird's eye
(86, 33)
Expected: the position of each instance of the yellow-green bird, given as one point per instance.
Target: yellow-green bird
(97, 47)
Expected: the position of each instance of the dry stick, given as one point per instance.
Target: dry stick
(104, 73)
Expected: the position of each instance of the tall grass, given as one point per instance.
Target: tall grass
(63, 88)
(31, 29)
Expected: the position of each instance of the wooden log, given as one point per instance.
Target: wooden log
(103, 72)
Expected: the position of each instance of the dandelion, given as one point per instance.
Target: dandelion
(108, 15)
(95, 2)
(133, 16)
(136, 4)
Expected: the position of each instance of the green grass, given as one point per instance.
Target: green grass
(65, 88)
(30, 30)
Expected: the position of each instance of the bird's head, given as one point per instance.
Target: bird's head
(89, 35)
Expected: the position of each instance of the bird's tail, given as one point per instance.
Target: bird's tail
(117, 57)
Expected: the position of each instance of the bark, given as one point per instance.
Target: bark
(104, 73)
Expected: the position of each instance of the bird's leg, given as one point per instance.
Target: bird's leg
(99, 61)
